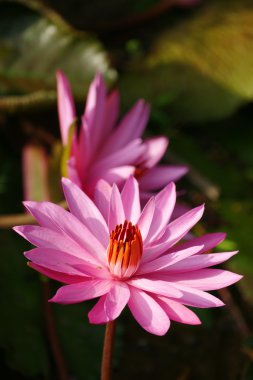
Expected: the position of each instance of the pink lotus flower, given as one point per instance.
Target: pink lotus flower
(126, 256)
(106, 150)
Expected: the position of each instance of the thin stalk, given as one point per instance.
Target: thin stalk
(106, 368)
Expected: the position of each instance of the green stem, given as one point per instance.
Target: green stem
(106, 368)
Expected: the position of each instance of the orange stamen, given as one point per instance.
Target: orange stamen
(125, 250)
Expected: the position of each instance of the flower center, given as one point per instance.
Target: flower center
(139, 171)
(125, 250)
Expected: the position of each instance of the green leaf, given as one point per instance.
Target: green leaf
(35, 43)
(205, 63)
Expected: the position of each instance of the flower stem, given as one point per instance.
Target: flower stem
(106, 368)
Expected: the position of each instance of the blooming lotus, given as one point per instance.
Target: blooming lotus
(112, 250)
(107, 149)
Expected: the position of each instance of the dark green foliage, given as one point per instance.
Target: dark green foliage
(196, 68)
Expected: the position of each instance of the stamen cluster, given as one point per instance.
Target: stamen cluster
(124, 250)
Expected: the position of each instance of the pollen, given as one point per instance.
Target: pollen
(125, 250)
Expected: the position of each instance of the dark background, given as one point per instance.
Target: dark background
(193, 61)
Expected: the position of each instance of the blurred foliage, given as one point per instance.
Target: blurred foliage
(248, 348)
(196, 67)
(100, 13)
(23, 327)
(34, 45)
(82, 342)
(204, 63)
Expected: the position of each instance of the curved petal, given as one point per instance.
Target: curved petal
(56, 218)
(204, 279)
(118, 174)
(197, 298)
(127, 155)
(66, 106)
(130, 128)
(111, 114)
(164, 262)
(95, 109)
(131, 200)
(58, 276)
(148, 313)
(200, 261)
(110, 306)
(155, 149)
(178, 312)
(84, 150)
(94, 271)
(97, 314)
(85, 210)
(82, 291)
(46, 238)
(102, 197)
(66, 263)
(111, 111)
(175, 231)
(163, 288)
(208, 241)
(116, 209)
(92, 125)
(159, 176)
(164, 205)
(146, 217)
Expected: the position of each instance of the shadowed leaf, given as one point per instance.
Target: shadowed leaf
(205, 63)
(33, 46)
